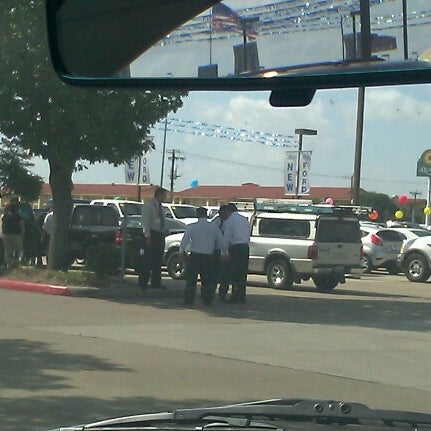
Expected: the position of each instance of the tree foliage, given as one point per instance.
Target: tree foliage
(66, 124)
(15, 176)
(380, 202)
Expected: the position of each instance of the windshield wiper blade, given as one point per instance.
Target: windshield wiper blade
(307, 409)
(252, 415)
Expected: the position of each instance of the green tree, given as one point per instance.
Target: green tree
(64, 124)
(380, 202)
(15, 175)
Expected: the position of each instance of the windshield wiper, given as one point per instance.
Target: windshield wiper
(258, 415)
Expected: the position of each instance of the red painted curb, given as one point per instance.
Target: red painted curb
(34, 287)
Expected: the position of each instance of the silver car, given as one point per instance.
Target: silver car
(381, 246)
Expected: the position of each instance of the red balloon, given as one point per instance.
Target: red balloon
(402, 199)
(374, 215)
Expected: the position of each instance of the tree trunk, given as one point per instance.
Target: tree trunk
(60, 180)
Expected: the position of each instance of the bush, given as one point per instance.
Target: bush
(103, 259)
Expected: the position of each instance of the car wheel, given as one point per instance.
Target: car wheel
(325, 284)
(279, 274)
(417, 268)
(366, 264)
(175, 266)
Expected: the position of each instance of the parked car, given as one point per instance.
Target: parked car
(122, 207)
(291, 246)
(90, 225)
(182, 212)
(311, 241)
(382, 246)
(415, 259)
(134, 237)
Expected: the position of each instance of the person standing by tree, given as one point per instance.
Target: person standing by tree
(13, 234)
(154, 226)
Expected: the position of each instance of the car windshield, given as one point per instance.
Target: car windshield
(184, 212)
(421, 232)
(99, 322)
(131, 208)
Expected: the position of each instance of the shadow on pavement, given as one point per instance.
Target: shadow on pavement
(383, 311)
(35, 366)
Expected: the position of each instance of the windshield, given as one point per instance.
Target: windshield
(131, 208)
(97, 322)
(184, 212)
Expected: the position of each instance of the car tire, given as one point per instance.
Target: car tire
(366, 264)
(325, 283)
(175, 266)
(417, 268)
(279, 274)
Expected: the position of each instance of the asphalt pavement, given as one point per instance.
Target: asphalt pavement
(72, 359)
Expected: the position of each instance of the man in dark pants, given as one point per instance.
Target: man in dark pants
(236, 237)
(153, 220)
(222, 266)
(201, 238)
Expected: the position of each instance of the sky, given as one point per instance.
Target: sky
(395, 131)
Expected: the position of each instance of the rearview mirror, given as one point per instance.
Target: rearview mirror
(241, 44)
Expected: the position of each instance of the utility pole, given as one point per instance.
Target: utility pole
(365, 55)
(174, 156)
(415, 195)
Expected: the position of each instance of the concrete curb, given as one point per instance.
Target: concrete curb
(34, 287)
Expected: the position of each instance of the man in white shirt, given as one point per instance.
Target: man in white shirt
(154, 226)
(236, 237)
(47, 228)
(202, 239)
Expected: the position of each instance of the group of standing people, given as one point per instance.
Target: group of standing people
(218, 252)
(24, 237)
(13, 234)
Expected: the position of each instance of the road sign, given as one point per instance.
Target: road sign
(423, 168)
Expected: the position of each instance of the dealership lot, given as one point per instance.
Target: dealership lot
(68, 360)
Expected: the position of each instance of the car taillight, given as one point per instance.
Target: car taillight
(376, 240)
(118, 238)
(312, 252)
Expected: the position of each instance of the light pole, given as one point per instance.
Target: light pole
(301, 133)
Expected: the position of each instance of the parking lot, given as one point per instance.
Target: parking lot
(69, 360)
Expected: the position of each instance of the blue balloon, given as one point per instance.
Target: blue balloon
(194, 183)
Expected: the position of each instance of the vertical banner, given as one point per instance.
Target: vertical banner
(145, 169)
(290, 172)
(131, 170)
(138, 171)
(291, 176)
(304, 173)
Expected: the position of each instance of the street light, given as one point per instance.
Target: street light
(301, 133)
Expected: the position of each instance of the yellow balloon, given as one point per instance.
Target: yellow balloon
(427, 210)
(399, 214)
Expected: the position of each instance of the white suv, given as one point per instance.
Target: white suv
(415, 259)
(317, 242)
(182, 212)
(122, 207)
